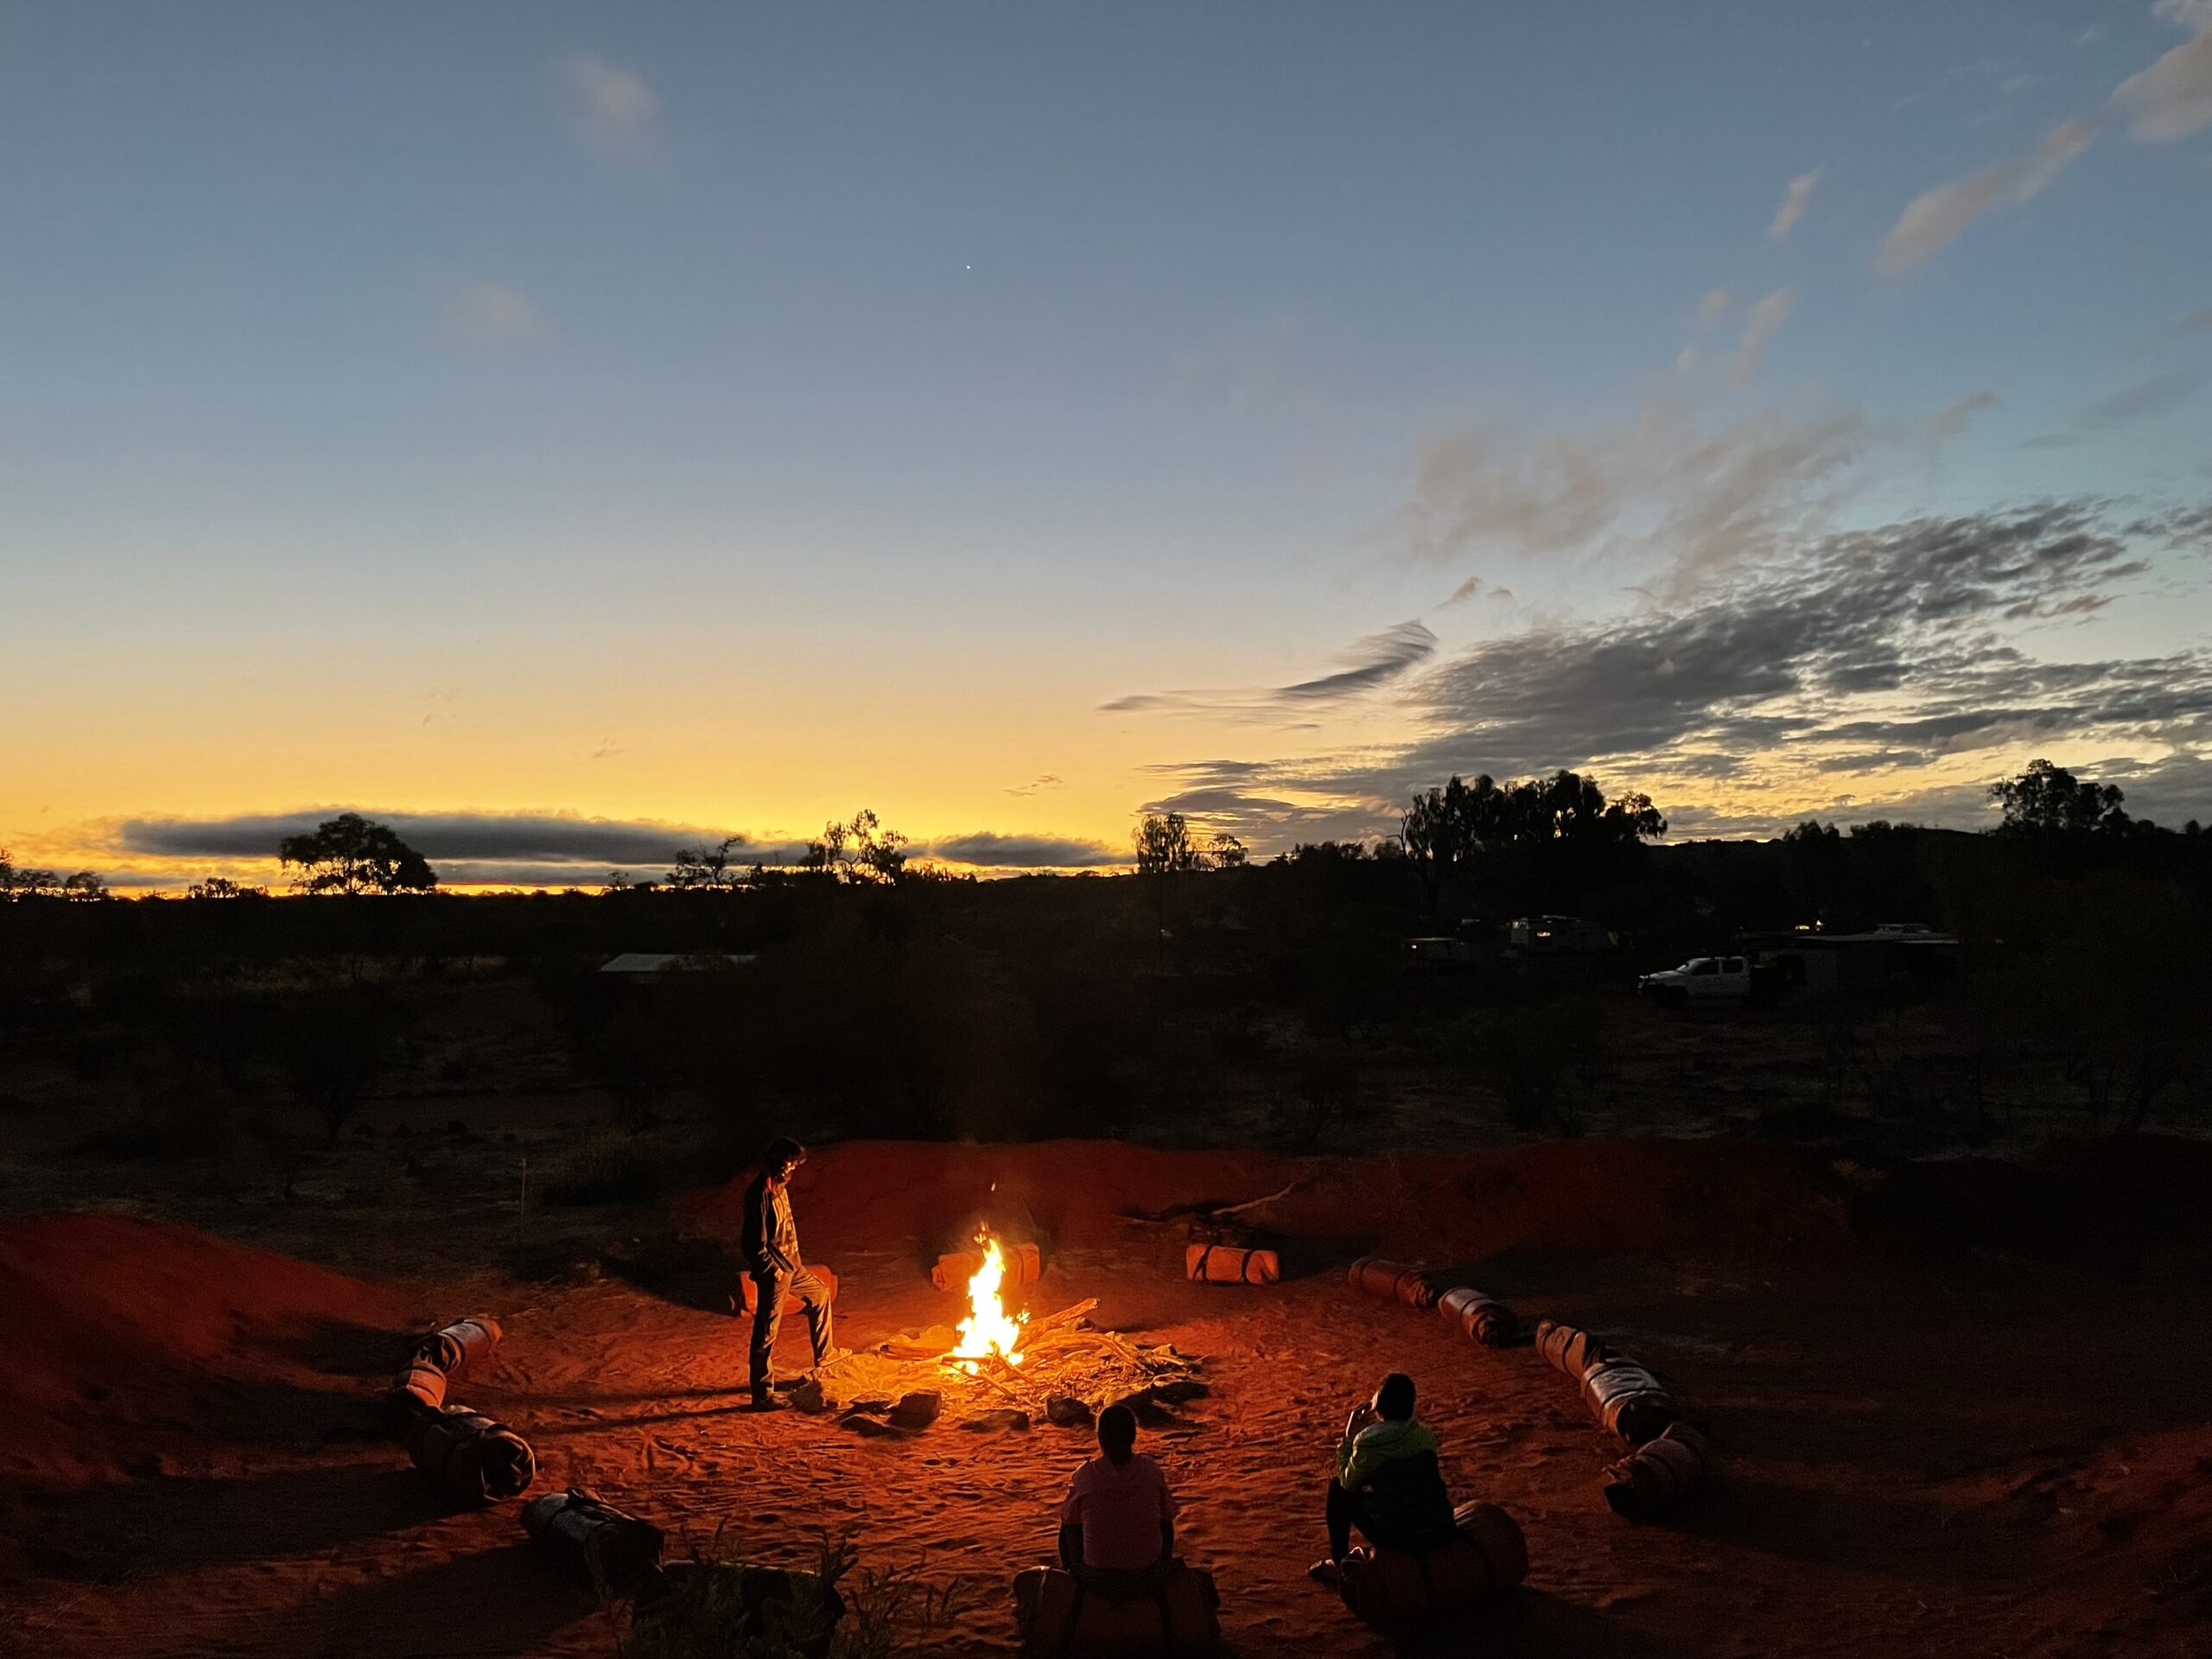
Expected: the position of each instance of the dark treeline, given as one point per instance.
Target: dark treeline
(1207, 993)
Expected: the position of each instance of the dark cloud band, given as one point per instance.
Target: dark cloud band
(988, 849)
(1895, 646)
(524, 837)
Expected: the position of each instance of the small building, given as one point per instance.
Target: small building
(1890, 956)
(1558, 935)
(653, 964)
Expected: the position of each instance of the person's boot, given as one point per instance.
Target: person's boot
(768, 1401)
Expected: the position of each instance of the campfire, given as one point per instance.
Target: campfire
(1058, 1366)
(987, 1329)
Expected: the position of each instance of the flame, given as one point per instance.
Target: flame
(987, 1329)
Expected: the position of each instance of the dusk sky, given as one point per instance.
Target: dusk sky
(570, 430)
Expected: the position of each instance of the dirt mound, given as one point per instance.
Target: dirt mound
(2081, 1200)
(1644, 1196)
(118, 1333)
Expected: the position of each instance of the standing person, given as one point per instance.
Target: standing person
(770, 1242)
(1388, 1482)
(1117, 1525)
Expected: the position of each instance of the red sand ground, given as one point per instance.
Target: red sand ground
(1967, 1453)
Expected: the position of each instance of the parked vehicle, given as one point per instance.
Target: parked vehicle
(1558, 935)
(1441, 951)
(1471, 943)
(1708, 979)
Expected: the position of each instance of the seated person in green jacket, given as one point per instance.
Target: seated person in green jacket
(1388, 1482)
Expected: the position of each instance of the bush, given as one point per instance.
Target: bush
(608, 1166)
(715, 1605)
(173, 1128)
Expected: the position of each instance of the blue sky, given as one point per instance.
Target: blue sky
(719, 416)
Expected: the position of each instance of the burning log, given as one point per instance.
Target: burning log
(462, 1344)
(1393, 1281)
(1061, 1617)
(1060, 1357)
(1628, 1400)
(1394, 1589)
(1568, 1349)
(1224, 1264)
(1486, 1319)
(1659, 1476)
(749, 1293)
(475, 1459)
(987, 1333)
(591, 1541)
(1024, 1265)
(1026, 1363)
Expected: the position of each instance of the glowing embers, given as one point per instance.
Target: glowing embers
(988, 1330)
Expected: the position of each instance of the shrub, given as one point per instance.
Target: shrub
(607, 1166)
(717, 1606)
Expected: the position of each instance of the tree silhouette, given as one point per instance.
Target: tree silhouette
(221, 886)
(351, 854)
(333, 1043)
(1164, 846)
(1444, 826)
(1539, 823)
(17, 881)
(707, 867)
(860, 851)
(2049, 801)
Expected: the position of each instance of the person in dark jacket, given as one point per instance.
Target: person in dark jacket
(770, 1243)
(1388, 1482)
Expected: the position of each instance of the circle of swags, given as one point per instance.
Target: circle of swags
(475, 1460)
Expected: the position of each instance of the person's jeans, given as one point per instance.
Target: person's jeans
(776, 1289)
(1348, 1509)
(1345, 1510)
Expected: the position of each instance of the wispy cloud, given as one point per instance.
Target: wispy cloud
(1660, 487)
(2197, 322)
(610, 105)
(1898, 647)
(2146, 400)
(2172, 99)
(1713, 306)
(1935, 219)
(1042, 781)
(1793, 203)
(1370, 663)
(492, 315)
(1948, 422)
(1769, 315)
(1274, 364)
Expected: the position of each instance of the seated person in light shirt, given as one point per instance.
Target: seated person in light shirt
(1118, 1523)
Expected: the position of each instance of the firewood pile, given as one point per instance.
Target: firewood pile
(1070, 1371)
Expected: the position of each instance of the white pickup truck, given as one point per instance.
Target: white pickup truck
(1706, 979)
